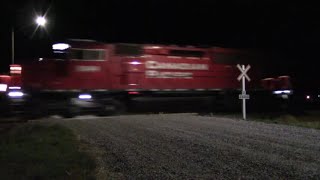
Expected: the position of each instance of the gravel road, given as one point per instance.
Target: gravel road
(188, 146)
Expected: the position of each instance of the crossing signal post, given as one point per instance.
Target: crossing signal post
(243, 77)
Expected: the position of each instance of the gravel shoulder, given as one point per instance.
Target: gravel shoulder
(180, 146)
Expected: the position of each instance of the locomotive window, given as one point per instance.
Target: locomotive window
(186, 53)
(75, 54)
(93, 55)
(128, 49)
(87, 54)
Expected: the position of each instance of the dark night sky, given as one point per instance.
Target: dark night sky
(289, 30)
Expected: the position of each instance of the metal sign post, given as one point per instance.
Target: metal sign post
(243, 76)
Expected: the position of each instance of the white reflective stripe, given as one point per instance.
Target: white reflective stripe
(104, 90)
(133, 89)
(145, 56)
(215, 89)
(267, 79)
(100, 90)
(62, 90)
(88, 49)
(193, 58)
(283, 76)
(14, 87)
(134, 56)
(86, 60)
(15, 72)
(152, 47)
(72, 90)
(15, 68)
(177, 57)
(181, 89)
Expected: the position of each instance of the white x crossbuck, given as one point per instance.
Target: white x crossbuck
(244, 71)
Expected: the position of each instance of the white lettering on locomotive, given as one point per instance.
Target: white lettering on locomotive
(175, 66)
(88, 68)
(158, 74)
(180, 66)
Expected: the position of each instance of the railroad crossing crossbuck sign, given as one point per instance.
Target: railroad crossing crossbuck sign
(244, 71)
(243, 76)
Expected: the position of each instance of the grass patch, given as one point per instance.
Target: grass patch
(32, 151)
(309, 119)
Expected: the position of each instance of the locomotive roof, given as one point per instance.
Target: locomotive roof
(92, 44)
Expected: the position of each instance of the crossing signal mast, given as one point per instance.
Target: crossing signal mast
(243, 77)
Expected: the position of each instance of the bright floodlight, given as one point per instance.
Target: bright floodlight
(135, 62)
(85, 96)
(3, 87)
(60, 46)
(14, 87)
(41, 21)
(15, 94)
(282, 92)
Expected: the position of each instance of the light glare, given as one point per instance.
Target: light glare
(41, 21)
(14, 87)
(282, 92)
(85, 96)
(3, 87)
(135, 63)
(287, 91)
(60, 46)
(15, 94)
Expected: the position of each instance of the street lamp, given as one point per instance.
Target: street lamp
(40, 20)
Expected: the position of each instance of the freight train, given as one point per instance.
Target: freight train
(100, 78)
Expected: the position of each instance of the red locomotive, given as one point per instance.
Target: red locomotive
(105, 78)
